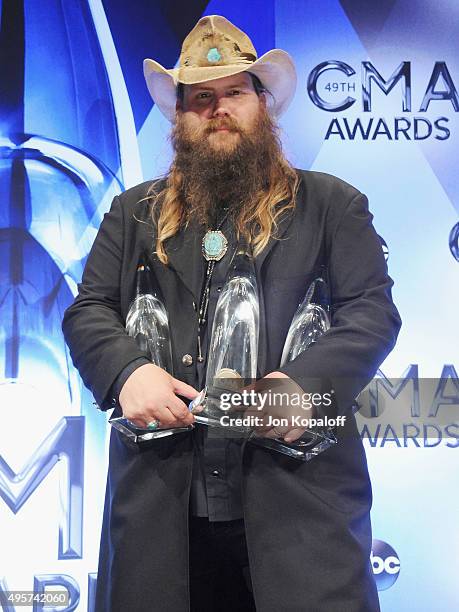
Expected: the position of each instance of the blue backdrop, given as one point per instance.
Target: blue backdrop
(376, 105)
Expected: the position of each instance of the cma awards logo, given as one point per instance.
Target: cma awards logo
(410, 411)
(385, 564)
(337, 91)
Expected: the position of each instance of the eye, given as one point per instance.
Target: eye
(235, 92)
(202, 95)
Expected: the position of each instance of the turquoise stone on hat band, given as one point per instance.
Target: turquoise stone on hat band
(214, 245)
(213, 55)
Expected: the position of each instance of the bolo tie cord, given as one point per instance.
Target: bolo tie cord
(204, 303)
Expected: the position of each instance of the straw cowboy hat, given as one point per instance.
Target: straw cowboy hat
(215, 48)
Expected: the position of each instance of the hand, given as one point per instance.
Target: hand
(285, 410)
(151, 393)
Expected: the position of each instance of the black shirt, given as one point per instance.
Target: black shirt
(216, 480)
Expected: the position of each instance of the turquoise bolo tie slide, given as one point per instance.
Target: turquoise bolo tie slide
(214, 245)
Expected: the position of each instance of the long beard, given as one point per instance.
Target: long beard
(231, 176)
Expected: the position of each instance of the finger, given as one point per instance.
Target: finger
(262, 418)
(182, 388)
(180, 410)
(261, 426)
(294, 434)
(275, 432)
(138, 422)
(165, 417)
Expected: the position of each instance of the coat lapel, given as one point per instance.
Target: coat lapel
(283, 223)
(185, 257)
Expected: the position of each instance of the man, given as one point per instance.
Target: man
(220, 523)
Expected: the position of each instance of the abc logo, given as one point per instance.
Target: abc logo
(385, 564)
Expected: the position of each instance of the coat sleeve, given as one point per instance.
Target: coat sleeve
(93, 325)
(365, 322)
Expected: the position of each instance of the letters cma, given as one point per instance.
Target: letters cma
(369, 73)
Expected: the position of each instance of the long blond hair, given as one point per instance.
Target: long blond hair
(256, 222)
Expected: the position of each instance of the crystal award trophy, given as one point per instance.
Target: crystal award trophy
(147, 322)
(147, 319)
(233, 349)
(309, 322)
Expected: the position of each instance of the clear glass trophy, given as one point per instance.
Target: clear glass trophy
(232, 355)
(147, 322)
(147, 319)
(309, 322)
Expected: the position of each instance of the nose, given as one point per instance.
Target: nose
(220, 108)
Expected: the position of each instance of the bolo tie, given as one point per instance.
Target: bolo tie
(214, 247)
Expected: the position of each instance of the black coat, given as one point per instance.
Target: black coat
(307, 524)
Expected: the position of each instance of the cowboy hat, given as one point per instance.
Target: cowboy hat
(214, 49)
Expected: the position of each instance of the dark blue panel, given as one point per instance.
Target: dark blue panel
(148, 29)
(256, 19)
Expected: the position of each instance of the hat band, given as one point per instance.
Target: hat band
(190, 75)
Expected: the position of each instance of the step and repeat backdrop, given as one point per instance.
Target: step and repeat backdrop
(377, 105)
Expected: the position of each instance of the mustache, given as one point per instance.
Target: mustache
(228, 123)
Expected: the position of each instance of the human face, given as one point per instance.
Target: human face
(219, 109)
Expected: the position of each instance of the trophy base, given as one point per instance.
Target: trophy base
(139, 434)
(305, 448)
(215, 421)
